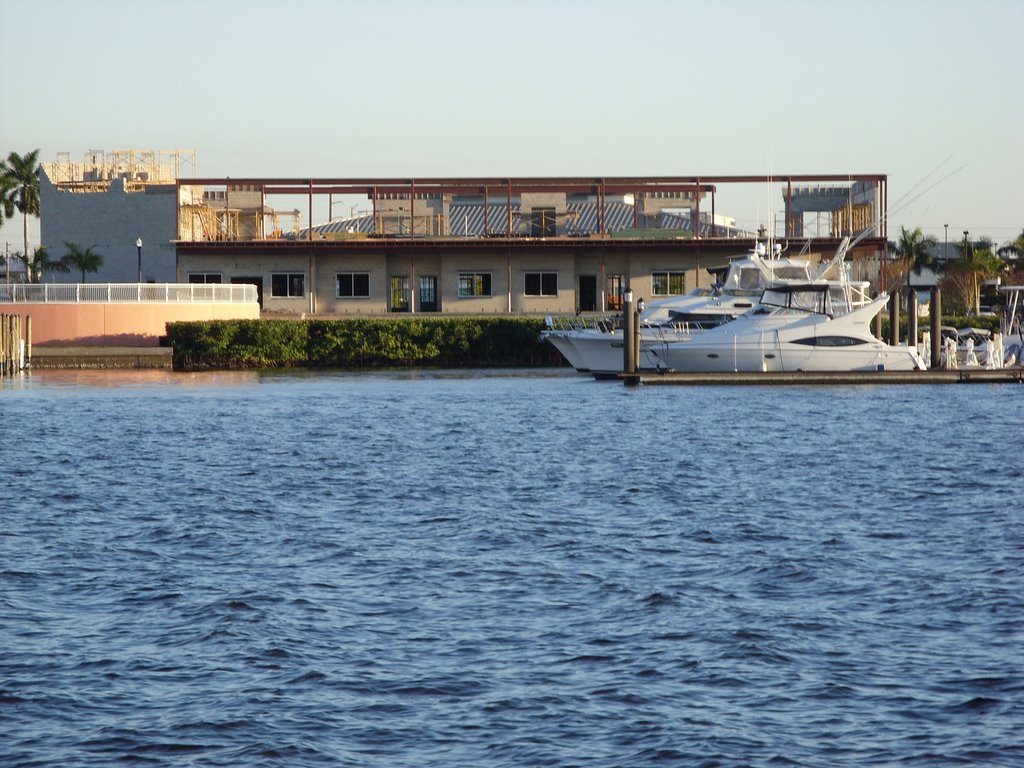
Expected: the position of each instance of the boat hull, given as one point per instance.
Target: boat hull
(789, 358)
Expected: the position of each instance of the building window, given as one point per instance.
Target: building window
(288, 285)
(474, 284)
(668, 283)
(541, 284)
(204, 277)
(353, 285)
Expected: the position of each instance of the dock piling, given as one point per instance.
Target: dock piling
(912, 317)
(628, 334)
(894, 318)
(935, 308)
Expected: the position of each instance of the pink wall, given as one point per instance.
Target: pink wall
(128, 325)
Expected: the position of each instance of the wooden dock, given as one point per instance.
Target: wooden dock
(810, 378)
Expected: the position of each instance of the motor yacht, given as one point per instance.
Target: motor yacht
(596, 347)
(793, 328)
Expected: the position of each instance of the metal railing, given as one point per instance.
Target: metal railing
(106, 293)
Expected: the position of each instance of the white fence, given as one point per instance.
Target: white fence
(106, 293)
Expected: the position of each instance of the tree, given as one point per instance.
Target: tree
(87, 260)
(976, 264)
(40, 262)
(20, 187)
(7, 208)
(1012, 253)
(916, 249)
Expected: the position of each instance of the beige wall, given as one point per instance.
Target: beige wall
(327, 269)
(112, 324)
(635, 267)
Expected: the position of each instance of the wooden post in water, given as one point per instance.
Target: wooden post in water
(636, 335)
(911, 318)
(4, 339)
(936, 320)
(894, 318)
(628, 337)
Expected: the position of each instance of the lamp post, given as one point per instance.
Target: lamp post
(945, 244)
(138, 248)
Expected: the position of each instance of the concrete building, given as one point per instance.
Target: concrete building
(109, 202)
(486, 245)
(436, 245)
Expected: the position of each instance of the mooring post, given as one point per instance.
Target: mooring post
(28, 341)
(3, 345)
(935, 307)
(636, 335)
(628, 339)
(912, 318)
(894, 318)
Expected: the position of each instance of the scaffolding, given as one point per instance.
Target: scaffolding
(137, 168)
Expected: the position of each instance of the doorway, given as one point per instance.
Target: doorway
(400, 293)
(588, 293)
(428, 293)
(257, 281)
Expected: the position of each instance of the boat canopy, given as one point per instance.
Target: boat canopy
(813, 298)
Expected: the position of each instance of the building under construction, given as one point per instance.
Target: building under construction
(440, 245)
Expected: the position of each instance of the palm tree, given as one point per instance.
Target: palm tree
(20, 187)
(6, 199)
(85, 259)
(916, 249)
(40, 262)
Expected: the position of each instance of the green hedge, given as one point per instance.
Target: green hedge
(951, 321)
(361, 343)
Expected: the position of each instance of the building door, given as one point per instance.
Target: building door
(400, 293)
(588, 293)
(428, 293)
(616, 284)
(257, 281)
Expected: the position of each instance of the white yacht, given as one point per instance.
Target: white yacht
(793, 328)
(1012, 325)
(597, 348)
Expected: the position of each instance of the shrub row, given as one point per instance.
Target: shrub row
(951, 321)
(361, 343)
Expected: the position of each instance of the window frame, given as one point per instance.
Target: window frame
(352, 285)
(289, 278)
(544, 280)
(483, 279)
(669, 276)
(206, 278)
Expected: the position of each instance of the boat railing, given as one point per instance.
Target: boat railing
(107, 293)
(604, 323)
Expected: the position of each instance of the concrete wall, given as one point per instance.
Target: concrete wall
(111, 222)
(129, 324)
(636, 269)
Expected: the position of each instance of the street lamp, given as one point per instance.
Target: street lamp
(945, 244)
(138, 248)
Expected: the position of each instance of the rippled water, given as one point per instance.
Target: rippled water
(504, 569)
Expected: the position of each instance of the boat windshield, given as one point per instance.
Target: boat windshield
(802, 298)
(791, 273)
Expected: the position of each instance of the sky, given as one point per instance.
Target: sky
(929, 92)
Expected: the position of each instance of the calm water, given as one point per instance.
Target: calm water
(496, 569)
